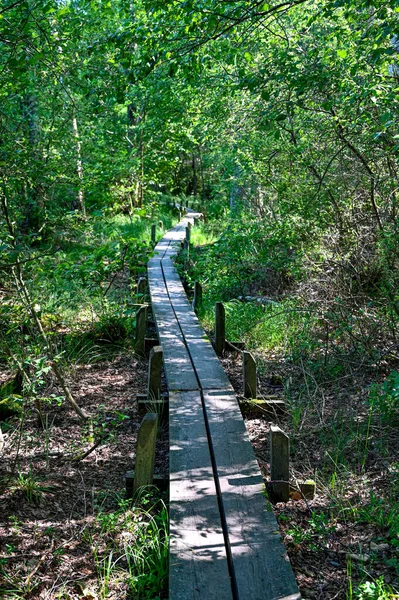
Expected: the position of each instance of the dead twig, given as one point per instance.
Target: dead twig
(41, 561)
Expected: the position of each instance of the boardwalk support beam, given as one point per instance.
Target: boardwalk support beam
(145, 451)
(141, 324)
(279, 464)
(249, 375)
(141, 286)
(153, 233)
(197, 300)
(220, 328)
(154, 374)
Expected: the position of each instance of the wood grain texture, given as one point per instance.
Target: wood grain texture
(224, 538)
(198, 562)
(261, 565)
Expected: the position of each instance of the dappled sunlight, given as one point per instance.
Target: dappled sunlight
(218, 508)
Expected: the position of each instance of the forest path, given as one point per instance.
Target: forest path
(224, 538)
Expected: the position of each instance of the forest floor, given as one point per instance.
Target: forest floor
(54, 517)
(340, 538)
(68, 532)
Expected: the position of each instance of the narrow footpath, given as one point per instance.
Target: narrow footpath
(224, 538)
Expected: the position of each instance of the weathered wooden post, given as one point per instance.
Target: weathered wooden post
(145, 451)
(153, 233)
(220, 328)
(141, 323)
(196, 221)
(141, 286)
(185, 245)
(188, 234)
(249, 375)
(197, 300)
(160, 224)
(279, 464)
(154, 374)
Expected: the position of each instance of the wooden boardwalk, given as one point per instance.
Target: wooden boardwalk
(224, 538)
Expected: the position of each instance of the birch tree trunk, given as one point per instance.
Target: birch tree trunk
(79, 167)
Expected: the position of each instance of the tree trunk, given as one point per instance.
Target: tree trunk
(79, 167)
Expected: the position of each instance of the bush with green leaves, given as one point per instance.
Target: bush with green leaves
(375, 590)
(384, 400)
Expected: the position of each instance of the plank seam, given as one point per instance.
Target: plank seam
(222, 513)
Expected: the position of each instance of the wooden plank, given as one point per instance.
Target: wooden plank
(209, 370)
(260, 562)
(145, 451)
(198, 562)
(177, 364)
(198, 555)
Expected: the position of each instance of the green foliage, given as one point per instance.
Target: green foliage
(318, 529)
(384, 513)
(137, 551)
(384, 400)
(30, 487)
(374, 590)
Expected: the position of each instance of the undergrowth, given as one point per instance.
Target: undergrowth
(131, 548)
(83, 290)
(331, 353)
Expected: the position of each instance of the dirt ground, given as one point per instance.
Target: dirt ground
(330, 551)
(44, 542)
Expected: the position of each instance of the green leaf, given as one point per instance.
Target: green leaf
(342, 53)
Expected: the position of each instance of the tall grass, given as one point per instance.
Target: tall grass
(137, 552)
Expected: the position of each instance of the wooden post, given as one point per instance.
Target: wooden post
(220, 328)
(141, 323)
(160, 224)
(185, 245)
(141, 286)
(153, 233)
(145, 451)
(197, 300)
(154, 374)
(279, 464)
(249, 375)
(188, 234)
